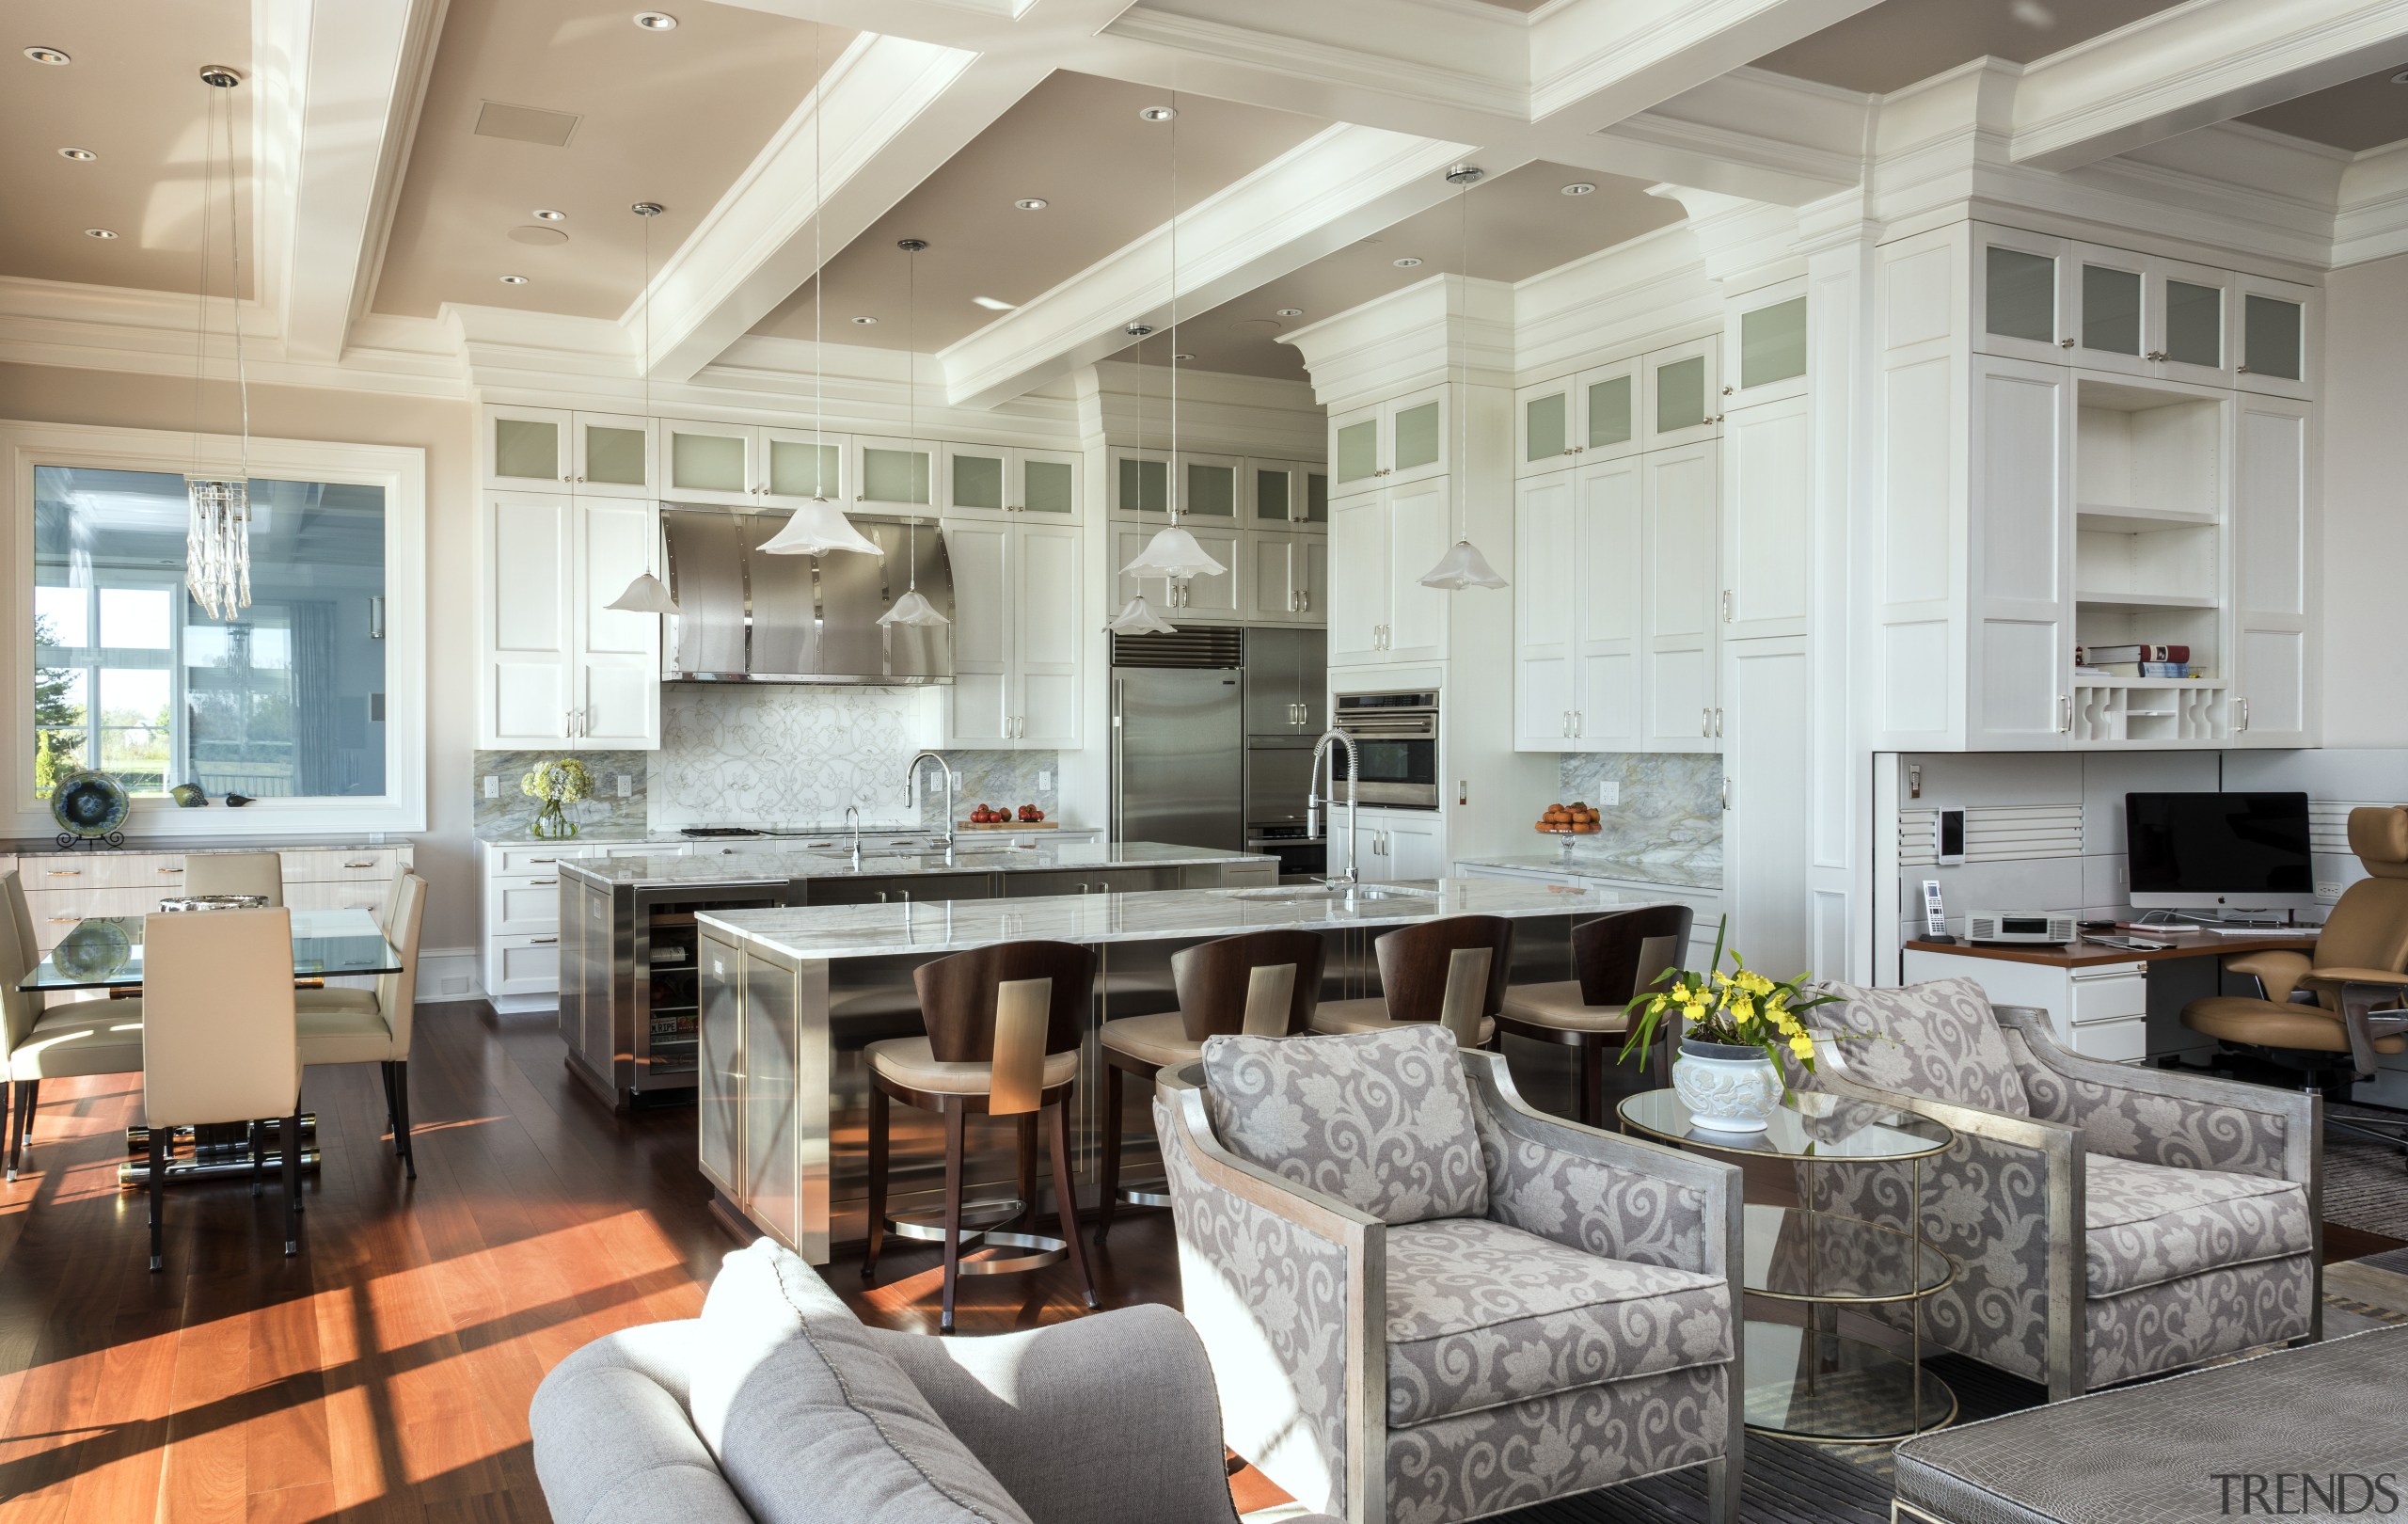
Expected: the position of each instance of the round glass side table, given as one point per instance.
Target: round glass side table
(1809, 1381)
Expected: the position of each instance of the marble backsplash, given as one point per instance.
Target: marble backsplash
(510, 813)
(1667, 820)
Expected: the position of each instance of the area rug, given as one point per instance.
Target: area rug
(2365, 1184)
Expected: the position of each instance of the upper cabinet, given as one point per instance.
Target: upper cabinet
(1590, 416)
(894, 476)
(561, 667)
(1403, 439)
(1681, 401)
(991, 481)
(2277, 332)
(1763, 347)
(1383, 542)
(1289, 494)
(721, 462)
(1140, 482)
(1017, 634)
(594, 454)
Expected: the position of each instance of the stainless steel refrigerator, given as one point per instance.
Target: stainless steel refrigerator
(1179, 739)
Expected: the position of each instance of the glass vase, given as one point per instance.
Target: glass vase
(552, 823)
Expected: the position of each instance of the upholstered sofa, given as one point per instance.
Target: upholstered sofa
(777, 1404)
(1426, 1301)
(2107, 1222)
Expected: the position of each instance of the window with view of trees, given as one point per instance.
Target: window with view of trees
(285, 698)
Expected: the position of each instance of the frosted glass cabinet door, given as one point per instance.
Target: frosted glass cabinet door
(2022, 294)
(2190, 310)
(1543, 428)
(1609, 412)
(1049, 482)
(1678, 405)
(527, 449)
(1275, 493)
(897, 475)
(613, 457)
(2276, 330)
(712, 462)
(2111, 312)
(1140, 485)
(975, 479)
(1763, 347)
(801, 465)
(1355, 449)
(1419, 435)
(1208, 486)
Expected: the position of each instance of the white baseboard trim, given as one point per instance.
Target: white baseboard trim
(518, 1005)
(447, 973)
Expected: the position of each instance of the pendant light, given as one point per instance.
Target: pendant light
(1173, 554)
(647, 594)
(218, 534)
(818, 526)
(1139, 617)
(1463, 565)
(914, 608)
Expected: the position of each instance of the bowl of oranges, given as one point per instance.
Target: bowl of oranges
(1573, 819)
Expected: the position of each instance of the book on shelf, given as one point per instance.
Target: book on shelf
(2139, 669)
(2106, 655)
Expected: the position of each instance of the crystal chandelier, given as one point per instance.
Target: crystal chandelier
(1463, 565)
(218, 537)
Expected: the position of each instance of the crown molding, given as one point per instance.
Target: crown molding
(2372, 223)
(1651, 291)
(1218, 413)
(1444, 329)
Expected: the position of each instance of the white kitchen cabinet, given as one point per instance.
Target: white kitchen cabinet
(1767, 549)
(1017, 635)
(799, 465)
(1545, 592)
(1393, 442)
(713, 463)
(992, 480)
(1216, 597)
(1589, 415)
(558, 665)
(892, 476)
(1680, 402)
(2276, 333)
(2022, 291)
(1580, 603)
(1286, 493)
(1288, 578)
(1395, 843)
(2021, 576)
(1682, 606)
(2139, 314)
(2274, 573)
(1379, 611)
(1768, 854)
(1763, 347)
(1210, 488)
(544, 449)
(1140, 484)
(613, 455)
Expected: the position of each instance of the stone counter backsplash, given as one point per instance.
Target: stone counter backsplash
(1669, 816)
(510, 814)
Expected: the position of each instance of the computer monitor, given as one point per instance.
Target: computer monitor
(2232, 852)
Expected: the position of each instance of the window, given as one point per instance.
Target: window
(309, 700)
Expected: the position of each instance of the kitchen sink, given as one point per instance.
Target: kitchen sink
(1313, 893)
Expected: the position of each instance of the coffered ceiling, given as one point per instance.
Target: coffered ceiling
(1898, 43)
(2364, 113)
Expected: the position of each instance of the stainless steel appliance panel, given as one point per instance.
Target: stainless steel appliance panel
(1278, 774)
(746, 615)
(1396, 746)
(1286, 682)
(1178, 758)
(706, 564)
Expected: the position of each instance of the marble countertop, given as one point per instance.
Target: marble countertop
(1639, 867)
(195, 846)
(759, 866)
(834, 932)
(668, 836)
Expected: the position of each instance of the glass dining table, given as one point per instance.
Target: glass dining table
(104, 952)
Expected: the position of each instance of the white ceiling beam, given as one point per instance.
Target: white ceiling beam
(1338, 186)
(2192, 66)
(341, 82)
(1604, 61)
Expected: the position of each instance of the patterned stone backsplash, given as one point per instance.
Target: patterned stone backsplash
(510, 814)
(1668, 823)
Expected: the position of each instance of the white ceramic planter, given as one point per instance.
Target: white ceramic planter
(1726, 1087)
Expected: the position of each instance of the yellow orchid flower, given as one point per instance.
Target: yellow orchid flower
(1802, 1045)
(1681, 992)
(1743, 1007)
(1694, 1010)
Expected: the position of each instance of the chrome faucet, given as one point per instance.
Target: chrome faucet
(853, 819)
(912, 790)
(1354, 798)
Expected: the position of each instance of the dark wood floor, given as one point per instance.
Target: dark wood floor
(383, 1373)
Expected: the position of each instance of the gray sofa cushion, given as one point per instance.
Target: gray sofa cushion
(1938, 1040)
(1381, 1120)
(2148, 1224)
(612, 1441)
(811, 1422)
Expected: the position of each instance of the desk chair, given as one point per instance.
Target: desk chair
(236, 873)
(2328, 1017)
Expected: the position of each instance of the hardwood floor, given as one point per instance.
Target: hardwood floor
(384, 1372)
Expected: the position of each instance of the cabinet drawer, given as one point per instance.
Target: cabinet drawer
(537, 857)
(527, 906)
(321, 897)
(367, 864)
(2100, 998)
(55, 912)
(523, 966)
(100, 870)
(2122, 1042)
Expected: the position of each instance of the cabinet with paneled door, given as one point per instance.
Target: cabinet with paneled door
(1379, 611)
(748, 466)
(1387, 444)
(1288, 495)
(62, 888)
(1287, 580)
(892, 476)
(1577, 419)
(1763, 347)
(592, 454)
(1017, 632)
(993, 482)
(559, 666)
(1394, 844)
(1219, 597)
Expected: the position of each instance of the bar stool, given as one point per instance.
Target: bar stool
(1452, 971)
(1616, 957)
(1260, 983)
(1005, 1026)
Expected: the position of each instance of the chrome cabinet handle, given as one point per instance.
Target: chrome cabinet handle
(1705, 721)
(1579, 722)
(542, 941)
(179, 870)
(2065, 344)
(1726, 605)
(2156, 354)
(346, 865)
(541, 882)
(2065, 711)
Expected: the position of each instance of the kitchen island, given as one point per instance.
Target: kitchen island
(790, 996)
(628, 994)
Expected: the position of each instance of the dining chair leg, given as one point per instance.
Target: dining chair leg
(401, 1144)
(29, 1096)
(258, 1154)
(877, 1235)
(390, 1114)
(158, 1184)
(956, 1118)
(1111, 1153)
(7, 1122)
(1065, 1198)
(292, 1130)
(1592, 1081)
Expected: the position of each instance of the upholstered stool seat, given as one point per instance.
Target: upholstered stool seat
(1337, 1018)
(1159, 1040)
(1557, 1004)
(1613, 957)
(909, 1063)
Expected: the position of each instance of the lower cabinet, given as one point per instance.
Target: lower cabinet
(1391, 844)
(62, 888)
(2100, 1011)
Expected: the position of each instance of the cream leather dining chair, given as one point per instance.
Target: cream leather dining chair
(220, 1042)
(45, 1041)
(235, 873)
(363, 1027)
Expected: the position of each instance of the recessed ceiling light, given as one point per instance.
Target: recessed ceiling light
(1407, 262)
(1138, 330)
(1158, 113)
(79, 155)
(48, 55)
(865, 322)
(514, 280)
(2400, 78)
(545, 213)
(990, 304)
(656, 21)
(99, 233)
(1580, 187)
(1289, 311)
(1031, 203)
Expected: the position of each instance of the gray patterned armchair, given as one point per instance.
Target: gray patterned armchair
(2107, 1222)
(1425, 1301)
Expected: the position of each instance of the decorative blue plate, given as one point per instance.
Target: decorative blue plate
(86, 804)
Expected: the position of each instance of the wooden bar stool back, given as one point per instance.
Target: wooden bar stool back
(1615, 957)
(1005, 1025)
(1258, 983)
(1472, 955)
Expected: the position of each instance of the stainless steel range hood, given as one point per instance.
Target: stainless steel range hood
(754, 618)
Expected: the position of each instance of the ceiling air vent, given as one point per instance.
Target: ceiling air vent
(526, 125)
(1208, 647)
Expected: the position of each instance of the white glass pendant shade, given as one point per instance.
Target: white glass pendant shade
(646, 595)
(1139, 619)
(1460, 568)
(217, 545)
(913, 607)
(1173, 553)
(816, 528)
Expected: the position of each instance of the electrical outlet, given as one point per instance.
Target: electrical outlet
(627, 787)
(492, 786)
(1045, 779)
(1609, 793)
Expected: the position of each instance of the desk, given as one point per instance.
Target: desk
(2097, 997)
